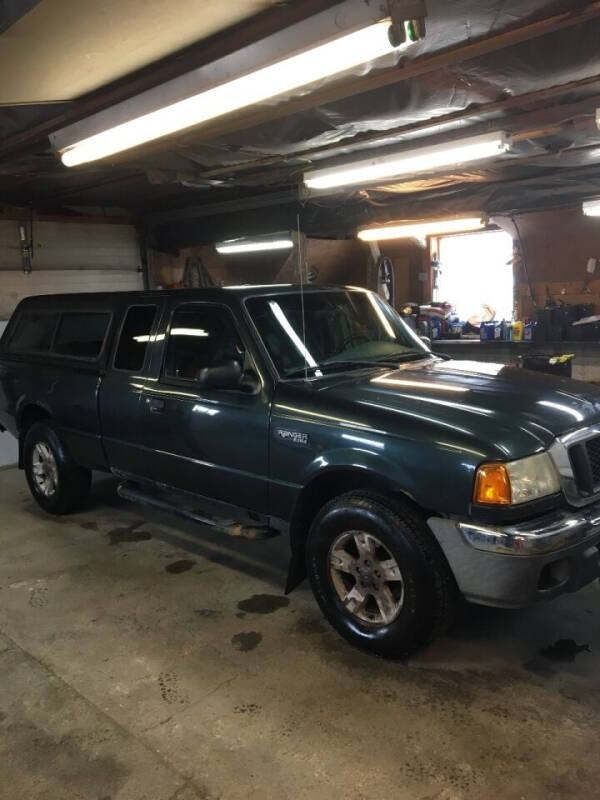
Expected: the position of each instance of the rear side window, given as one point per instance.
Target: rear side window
(135, 335)
(34, 332)
(81, 335)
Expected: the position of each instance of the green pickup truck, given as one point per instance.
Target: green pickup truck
(403, 480)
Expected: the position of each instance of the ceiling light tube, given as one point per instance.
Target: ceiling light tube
(420, 230)
(254, 246)
(278, 78)
(591, 208)
(409, 162)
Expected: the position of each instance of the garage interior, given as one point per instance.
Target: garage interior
(147, 657)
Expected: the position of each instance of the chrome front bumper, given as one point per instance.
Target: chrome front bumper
(542, 535)
(516, 565)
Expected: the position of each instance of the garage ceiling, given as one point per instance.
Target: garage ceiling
(530, 67)
(62, 49)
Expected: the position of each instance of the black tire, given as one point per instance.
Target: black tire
(429, 594)
(73, 482)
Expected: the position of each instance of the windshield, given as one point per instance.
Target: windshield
(341, 328)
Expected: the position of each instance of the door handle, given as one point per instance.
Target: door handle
(156, 405)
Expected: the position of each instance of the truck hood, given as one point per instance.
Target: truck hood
(514, 411)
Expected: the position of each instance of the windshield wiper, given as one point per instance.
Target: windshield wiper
(405, 355)
(327, 366)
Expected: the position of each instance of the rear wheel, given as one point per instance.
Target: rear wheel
(58, 484)
(378, 575)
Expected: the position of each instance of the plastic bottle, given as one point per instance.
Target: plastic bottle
(517, 331)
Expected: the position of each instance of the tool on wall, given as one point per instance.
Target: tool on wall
(26, 240)
(436, 270)
(592, 263)
(386, 279)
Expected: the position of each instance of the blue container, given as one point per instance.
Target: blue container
(456, 328)
(489, 331)
(435, 326)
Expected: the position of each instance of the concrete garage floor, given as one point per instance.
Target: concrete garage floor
(144, 657)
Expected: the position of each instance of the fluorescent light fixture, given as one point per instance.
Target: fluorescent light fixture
(254, 246)
(420, 230)
(279, 78)
(591, 208)
(423, 159)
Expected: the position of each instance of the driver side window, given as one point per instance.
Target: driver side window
(201, 336)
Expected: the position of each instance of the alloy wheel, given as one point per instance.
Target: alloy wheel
(44, 469)
(366, 578)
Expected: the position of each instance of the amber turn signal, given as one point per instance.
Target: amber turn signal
(492, 485)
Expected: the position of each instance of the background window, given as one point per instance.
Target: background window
(201, 338)
(81, 335)
(34, 331)
(477, 275)
(135, 336)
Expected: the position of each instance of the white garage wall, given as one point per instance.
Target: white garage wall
(68, 257)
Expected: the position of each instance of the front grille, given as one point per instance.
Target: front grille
(592, 447)
(585, 460)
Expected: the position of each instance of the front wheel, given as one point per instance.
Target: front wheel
(57, 483)
(378, 575)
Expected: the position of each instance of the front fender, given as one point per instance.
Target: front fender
(356, 459)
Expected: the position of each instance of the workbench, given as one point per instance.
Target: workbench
(586, 361)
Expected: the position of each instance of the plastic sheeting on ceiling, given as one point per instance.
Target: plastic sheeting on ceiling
(555, 167)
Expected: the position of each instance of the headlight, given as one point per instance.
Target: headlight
(505, 484)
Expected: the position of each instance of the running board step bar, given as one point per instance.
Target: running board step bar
(129, 491)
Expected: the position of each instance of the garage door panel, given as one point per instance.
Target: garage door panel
(60, 245)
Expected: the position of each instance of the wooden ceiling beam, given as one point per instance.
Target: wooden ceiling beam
(406, 70)
(472, 112)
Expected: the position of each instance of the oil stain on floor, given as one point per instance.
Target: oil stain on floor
(246, 641)
(549, 659)
(565, 650)
(129, 533)
(180, 566)
(263, 603)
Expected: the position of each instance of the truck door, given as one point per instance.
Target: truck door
(122, 424)
(208, 441)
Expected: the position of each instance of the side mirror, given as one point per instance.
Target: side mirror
(250, 382)
(426, 340)
(225, 376)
